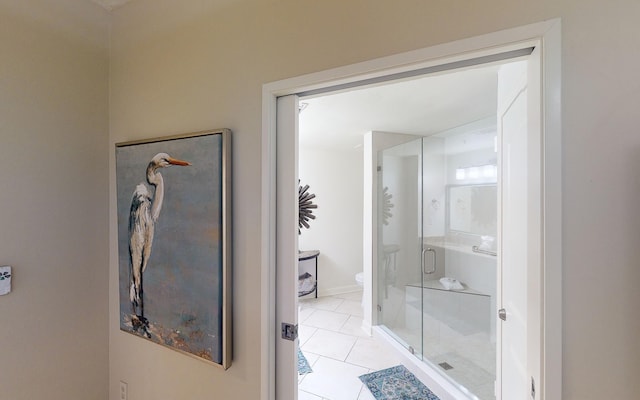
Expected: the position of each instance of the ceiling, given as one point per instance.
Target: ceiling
(422, 106)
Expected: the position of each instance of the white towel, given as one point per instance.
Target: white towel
(488, 243)
(451, 283)
(5, 279)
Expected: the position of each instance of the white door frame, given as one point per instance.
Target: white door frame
(544, 35)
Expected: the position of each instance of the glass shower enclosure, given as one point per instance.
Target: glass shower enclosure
(436, 253)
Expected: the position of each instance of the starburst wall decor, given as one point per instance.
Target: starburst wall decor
(387, 205)
(306, 206)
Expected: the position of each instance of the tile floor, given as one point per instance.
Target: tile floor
(337, 349)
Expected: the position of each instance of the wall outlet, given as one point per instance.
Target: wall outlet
(123, 390)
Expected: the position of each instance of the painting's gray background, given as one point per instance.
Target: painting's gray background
(183, 278)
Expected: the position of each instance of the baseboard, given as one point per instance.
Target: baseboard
(339, 290)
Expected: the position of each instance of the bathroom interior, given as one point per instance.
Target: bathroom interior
(434, 271)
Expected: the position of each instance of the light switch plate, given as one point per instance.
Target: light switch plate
(5, 279)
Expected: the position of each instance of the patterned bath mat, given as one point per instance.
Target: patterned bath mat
(303, 364)
(396, 383)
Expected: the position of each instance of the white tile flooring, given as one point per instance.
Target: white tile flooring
(337, 349)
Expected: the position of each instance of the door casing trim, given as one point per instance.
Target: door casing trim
(547, 35)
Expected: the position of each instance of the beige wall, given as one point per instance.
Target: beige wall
(180, 66)
(53, 197)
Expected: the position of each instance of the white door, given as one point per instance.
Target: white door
(519, 234)
(287, 245)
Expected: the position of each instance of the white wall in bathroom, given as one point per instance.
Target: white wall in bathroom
(336, 178)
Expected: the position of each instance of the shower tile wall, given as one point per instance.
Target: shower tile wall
(456, 329)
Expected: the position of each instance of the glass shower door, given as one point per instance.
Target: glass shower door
(459, 229)
(399, 249)
(437, 213)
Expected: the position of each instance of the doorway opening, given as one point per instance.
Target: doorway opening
(285, 245)
(433, 140)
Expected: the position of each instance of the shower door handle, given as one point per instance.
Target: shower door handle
(433, 269)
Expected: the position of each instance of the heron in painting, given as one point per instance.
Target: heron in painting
(144, 212)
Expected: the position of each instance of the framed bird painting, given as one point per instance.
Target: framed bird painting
(174, 241)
